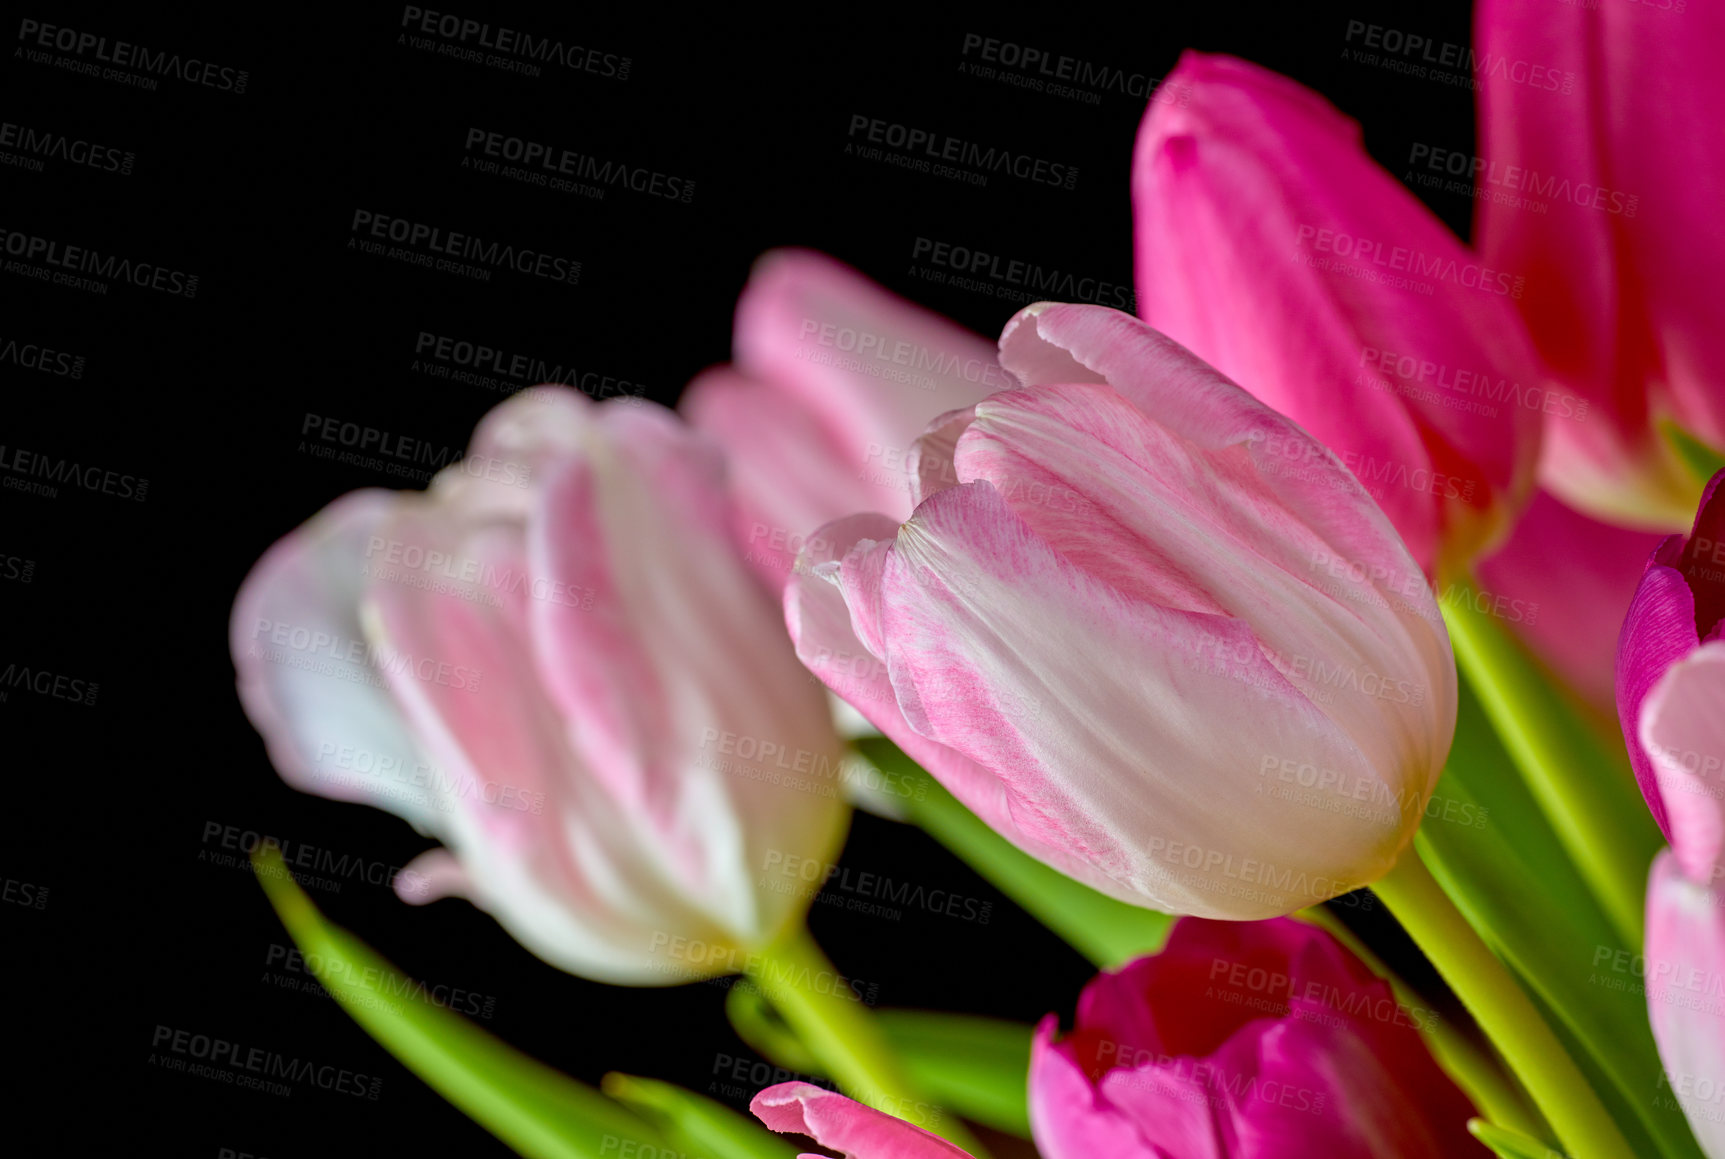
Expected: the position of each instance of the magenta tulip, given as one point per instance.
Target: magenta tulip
(1678, 608)
(1596, 184)
(833, 380)
(554, 661)
(1262, 1040)
(846, 1126)
(1273, 247)
(1148, 629)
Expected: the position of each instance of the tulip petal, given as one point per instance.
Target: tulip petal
(1070, 1118)
(1256, 192)
(973, 588)
(1658, 631)
(324, 709)
(860, 1131)
(1685, 975)
(1682, 729)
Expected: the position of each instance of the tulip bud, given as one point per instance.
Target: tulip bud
(1678, 607)
(554, 662)
(843, 1124)
(1592, 180)
(1244, 1041)
(834, 379)
(1153, 633)
(1273, 247)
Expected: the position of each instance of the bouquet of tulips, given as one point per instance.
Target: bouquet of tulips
(1359, 558)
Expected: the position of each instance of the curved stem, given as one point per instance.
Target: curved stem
(1503, 1010)
(824, 1010)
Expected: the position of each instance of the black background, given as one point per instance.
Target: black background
(205, 398)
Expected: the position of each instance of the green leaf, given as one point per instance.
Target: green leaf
(1110, 933)
(979, 1067)
(1491, 848)
(537, 1111)
(1508, 1144)
(695, 1124)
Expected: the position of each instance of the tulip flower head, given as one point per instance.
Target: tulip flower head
(553, 661)
(833, 381)
(1265, 1040)
(1145, 627)
(1272, 246)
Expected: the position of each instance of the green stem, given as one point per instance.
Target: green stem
(817, 1003)
(1474, 1069)
(1503, 1010)
(1591, 803)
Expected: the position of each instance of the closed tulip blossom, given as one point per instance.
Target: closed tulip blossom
(553, 661)
(1271, 245)
(1677, 610)
(851, 1128)
(1671, 688)
(833, 380)
(1145, 627)
(1265, 1040)
(1596, 186)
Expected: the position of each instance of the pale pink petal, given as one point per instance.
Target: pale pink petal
(308, 675)
(1685, 966)
(845, 1125)
(1682, 729)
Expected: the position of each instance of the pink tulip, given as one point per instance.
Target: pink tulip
(1682, 726)
(1146, 628)
(1265, 1040)
(1678, 608)
(845, 1125)
(1600, 189)
(553, 661)
(833, 381)
(1570, 622)
(1273, 247)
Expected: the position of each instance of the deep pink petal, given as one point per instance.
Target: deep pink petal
(1339, 285)
(1658, 631)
